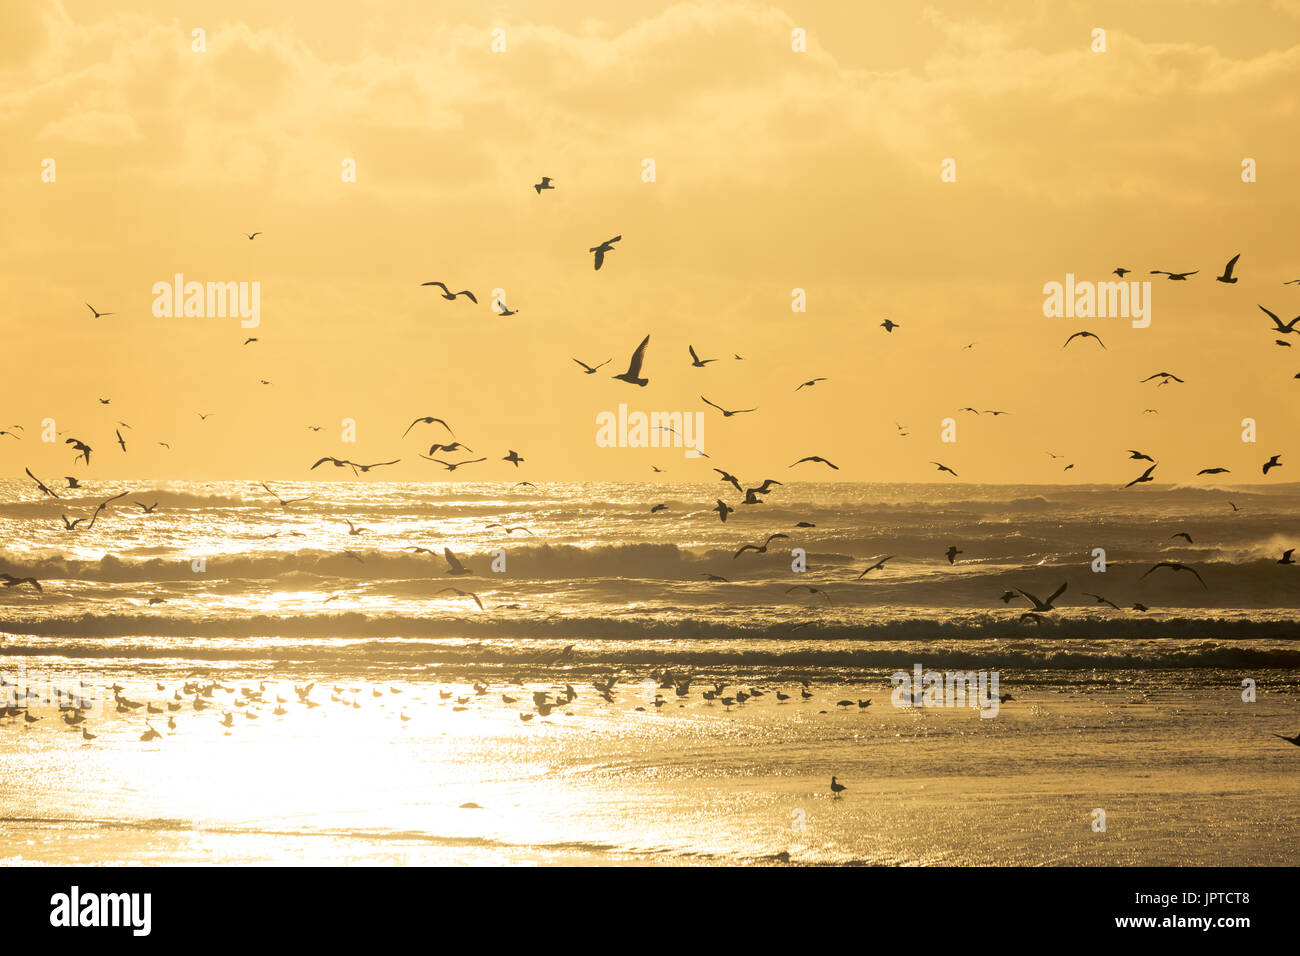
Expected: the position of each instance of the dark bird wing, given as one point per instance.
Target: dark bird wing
(452, 560)
(440, 285)
(638, 358)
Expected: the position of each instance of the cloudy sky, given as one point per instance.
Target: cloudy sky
(775, 170)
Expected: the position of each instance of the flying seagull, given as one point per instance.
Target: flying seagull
(1144, 477)
(468, 594)
(1087, 335)
(943, 467)
(46, 491)
(878, 566)
(544, 184)
(429, 420)
(889, 325)
(1284, 329)
(604, 247)
(759, 548)
(725, 412)
(696, 361)
(1174, 566)
(633, 374)
(1045, 605)
(1273, 462)
(1165, 378)
(1174, 276)
(1140, 456)
(811, 382)
(448, 294)
(592, 369)
(818, 459)
(453, 563)
(1227, 276)
(98, 314)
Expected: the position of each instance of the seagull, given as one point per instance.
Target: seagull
(1087, 335)
(942, 467)
(1212, 471)
(727, 476)
(503, 309)
(120, 440)
(336, 462)
(454, 446)
(696, 361)
(468, 594)
(1182, 534)
(252, 235)
(633, 374)
(836, 787)
(819, 460)
(1140, 456)
(1274, 462)
(811, 382)
(513, 457)
(453, 563)
(102, 505)
(658, 508)
(714, 577)
(1286, 557)
(1121, 272)
(83, 450)
(889, 326)
(429, 420)
(202, 417)
(592, 369)
(353, 529)
(46, 491)
(1100, 599)
(725, 412)
(1286, 329)
(147, 509)
(1164, 377)
(952, 553)
(764, 489)
(448, 294)
(723, 509)
(1174, 276)
(1045, 605)
(1227, 276)
(604, 247)
(71, 525)
(249, 341)
(284, 503)
(544, 184)
(1144, 477)
(453, 465)
(98, 314)
(759, 548)
(13, 582)
(1175, 566)
(810, 589)
(377, 464)
(878, 566)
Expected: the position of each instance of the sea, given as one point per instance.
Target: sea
(324, 697)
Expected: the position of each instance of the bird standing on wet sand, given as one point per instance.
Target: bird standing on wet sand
(836, 787)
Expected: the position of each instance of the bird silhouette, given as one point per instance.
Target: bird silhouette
(604, 247)
(633, 374)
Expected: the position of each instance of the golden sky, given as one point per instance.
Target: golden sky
(775, 170)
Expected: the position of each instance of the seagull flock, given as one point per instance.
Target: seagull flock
(444, 443)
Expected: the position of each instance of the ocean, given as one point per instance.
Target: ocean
(405, 750)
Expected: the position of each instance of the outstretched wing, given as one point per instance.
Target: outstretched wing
(638, 357)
